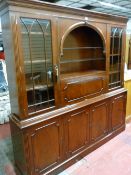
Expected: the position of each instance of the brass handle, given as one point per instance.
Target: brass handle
(56, 71)
(49, 76)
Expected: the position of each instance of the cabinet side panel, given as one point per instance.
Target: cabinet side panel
(18, 148)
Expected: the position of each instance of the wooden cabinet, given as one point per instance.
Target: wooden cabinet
(45, 143)
(77, 130)
(52, 145)
(99, 120)
(118, 111)
(65, 72)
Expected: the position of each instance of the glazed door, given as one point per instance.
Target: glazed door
(38, 67)
(116, 57)
(99, 121)
(46, 146)
(118, 106)
(77, 131)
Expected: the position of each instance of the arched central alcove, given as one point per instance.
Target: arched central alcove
(83, 50)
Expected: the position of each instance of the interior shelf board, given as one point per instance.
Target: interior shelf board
(36, 33)
(116, 37)
(29, 87)
(114, 72)
(114, 88)
(75, 48)
(36, 61)
(41, 102)
(115, 82)
(115, 54)
(80, 60)
(79, 74)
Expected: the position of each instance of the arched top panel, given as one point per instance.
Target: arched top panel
(87, 26)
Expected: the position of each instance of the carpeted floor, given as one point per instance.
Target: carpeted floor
(4, 107)
(6, 155)
(6, 151)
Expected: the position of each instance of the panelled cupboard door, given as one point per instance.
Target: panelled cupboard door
(99, 121)
(45, 143)
(77, 131)
(118, 111)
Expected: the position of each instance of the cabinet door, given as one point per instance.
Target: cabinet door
(116, 57)
(78, 131)
(45, 143)
(99, 121)
(38, 64)
(118, 107)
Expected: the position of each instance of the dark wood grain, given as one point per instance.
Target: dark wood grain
(85, 111)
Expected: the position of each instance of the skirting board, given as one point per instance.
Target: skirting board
(128, 119)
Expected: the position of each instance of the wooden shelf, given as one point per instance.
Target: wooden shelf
(29, 87)
(114, 72)
(77, 48)
(80, 60)
(79, 74)
(36, 33)
(37, 61)
(115, 54)
(115, 82)
(119, 37)
(48, 101)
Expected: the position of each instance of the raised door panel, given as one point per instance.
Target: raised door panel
(46, 146)
(99, 121)
(78, 131)
(118, 107)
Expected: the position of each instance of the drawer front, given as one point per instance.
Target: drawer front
(77, 89)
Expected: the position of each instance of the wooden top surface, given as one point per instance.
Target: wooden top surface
(37, 4)
(61, 111)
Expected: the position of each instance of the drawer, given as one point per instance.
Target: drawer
(77, 89)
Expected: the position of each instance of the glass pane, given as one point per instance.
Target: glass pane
(37, 47)
(115, 63)
(115, 57)
(115, 46)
